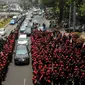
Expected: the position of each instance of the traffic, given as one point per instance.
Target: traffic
(20, 52)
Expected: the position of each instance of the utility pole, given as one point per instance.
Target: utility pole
(74, 16)
(69, 17)
(9, 7)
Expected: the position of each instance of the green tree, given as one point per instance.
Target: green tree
(82, 10)
(48, 3)
(61, 8)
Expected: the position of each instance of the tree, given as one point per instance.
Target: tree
(61, 7)
(82, 14)
(82, 9)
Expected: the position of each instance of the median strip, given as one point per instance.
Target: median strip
(24, 81)
(4, 23)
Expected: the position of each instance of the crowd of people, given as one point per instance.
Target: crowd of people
(57, 60)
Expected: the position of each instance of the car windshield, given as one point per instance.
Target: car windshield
(21, 39)
(21, 51)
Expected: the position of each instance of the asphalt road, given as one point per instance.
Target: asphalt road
(19, 75)
(9, 28)
(22, 75)
(41, 20)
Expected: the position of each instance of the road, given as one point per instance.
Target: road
(19, 75)
(22, 75)
(41, 20)
(9, 28)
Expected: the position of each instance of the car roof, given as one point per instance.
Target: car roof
(22, 36)
(21, 46)
(23, 27)
(14, 16)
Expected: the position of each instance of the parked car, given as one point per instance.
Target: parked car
(2, 31)
(21, 55)
(22, 39)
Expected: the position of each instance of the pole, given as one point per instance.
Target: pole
(74, 16)
(9, 7)
(69, 17)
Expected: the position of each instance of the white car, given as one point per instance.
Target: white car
(35, 13)
(29, 18)
(39, 13)
(2, 31)
(42, 11)
(22, 29)
(23, 39)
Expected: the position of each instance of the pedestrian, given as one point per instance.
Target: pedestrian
(44, 26)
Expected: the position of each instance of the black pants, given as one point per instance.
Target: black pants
(83, 82)
(55, 82)
(69, 83)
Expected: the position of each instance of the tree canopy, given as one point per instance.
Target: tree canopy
(64, 5)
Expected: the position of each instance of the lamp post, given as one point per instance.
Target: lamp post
(74, 16)
(69, 17)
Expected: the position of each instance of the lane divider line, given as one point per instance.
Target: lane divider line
(24, 81)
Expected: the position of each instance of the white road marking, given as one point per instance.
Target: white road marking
(24, 81)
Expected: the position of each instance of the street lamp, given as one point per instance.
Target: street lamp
(69, 17)
(74, 16)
